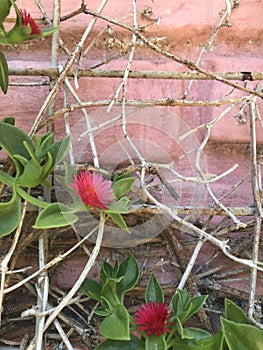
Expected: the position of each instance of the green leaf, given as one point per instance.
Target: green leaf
(201, 341)
(91, 288)
(29, 146)
(70, 171)
(59, 149)
(108, 344)
(155, 343)
(121, 176)
(181, 302)
(48, 31)
(130, 271)
(10, 214)
(33, 200)
(102, 311)
(195, 304)
(4, 76)
(185, 333)
(12, 140)
(14, 35)
(116, 268)
(118, 220)
(22, 160)
(44, 155)
(119, 207)
(107, 271)
(42, 144)
(6, 178)
(154, 292)
(199, 333)
(179, 326)
(31, 176)
(109, 293)
(64, 181)
(122, 187)
(55, 215)
(184, 307)
(235, 313)
(5, 6)
(47, 167)
(46, 183)
(116, 326)
(242, 336)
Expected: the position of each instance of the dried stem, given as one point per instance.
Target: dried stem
(211, 38)
(49, 264)
(66, 300)
(256, 190)
(8, 257)
(53, 93)
(184, 62)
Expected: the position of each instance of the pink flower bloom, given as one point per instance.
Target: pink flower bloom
(28, 20)
(152, 318)
(93, 190)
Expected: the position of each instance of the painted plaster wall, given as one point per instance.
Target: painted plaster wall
(185, 25)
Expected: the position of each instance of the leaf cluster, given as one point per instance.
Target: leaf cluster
(33, 160)
(115, 282)
(118, 327)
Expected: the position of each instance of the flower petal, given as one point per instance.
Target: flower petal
(152, 318)
(93, 190)
(27, 19)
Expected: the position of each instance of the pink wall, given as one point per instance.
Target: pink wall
(185, 25)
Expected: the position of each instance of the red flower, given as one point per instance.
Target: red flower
(152, 318)
(93, 190)
(28, 20)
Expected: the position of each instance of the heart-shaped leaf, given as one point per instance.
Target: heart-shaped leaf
(130, 271)
(91, 288)
(116, 326)
(31, 176)
(55, 215)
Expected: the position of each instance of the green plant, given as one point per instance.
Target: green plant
(58, 214)
(34, 160)
(24, 29)
(156, 325)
